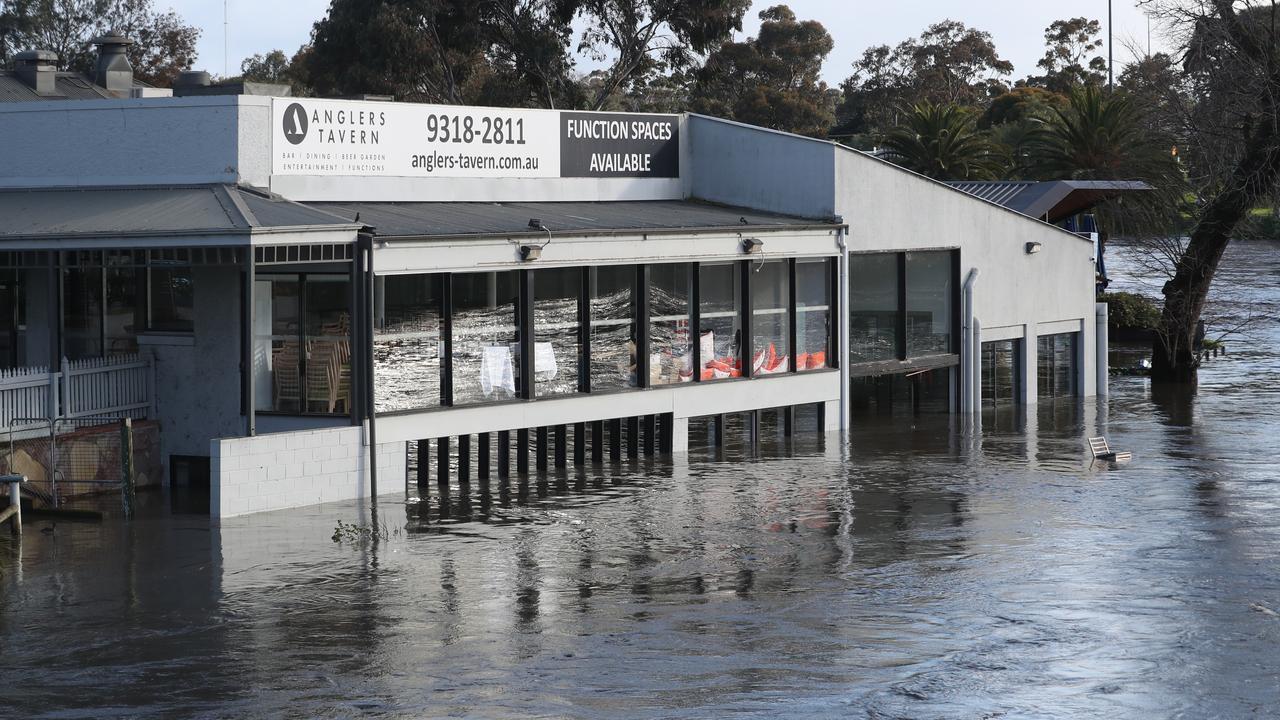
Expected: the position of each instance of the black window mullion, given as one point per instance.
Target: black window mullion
(746, 344)
(695, 320)
(524, 331)
(585, 293)
(302, 343)
(446, 337)
(792, 313)
(834, 320)
(641, 320)
(902, 306)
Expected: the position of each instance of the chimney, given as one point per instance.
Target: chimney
(38, 69)
(113, 71)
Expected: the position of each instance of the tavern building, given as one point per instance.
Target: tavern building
(321, 288)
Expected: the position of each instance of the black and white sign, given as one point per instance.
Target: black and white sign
(341, 138)
(619, 145)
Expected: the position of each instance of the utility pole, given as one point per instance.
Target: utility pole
(1111, 60)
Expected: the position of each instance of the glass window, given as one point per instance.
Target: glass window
(908, 394)
(1056, 365)
(873, 307)
(613, 337)
(407, 342)
(929, 302)
(671, 360)
(171, 298)
(82, 312)
(557, 349)
(486, 354)
(1000, 362)
(770, 321)
(327, 376)
(11, 317)
(720, 321)
(813, 313)
(124, 310)
(302, 347)
(278, 343)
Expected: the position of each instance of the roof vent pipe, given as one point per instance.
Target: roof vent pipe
(113, 71)
(38, 69)
(193, 78)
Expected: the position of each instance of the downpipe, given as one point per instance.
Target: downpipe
(970, 374)
(842, 294)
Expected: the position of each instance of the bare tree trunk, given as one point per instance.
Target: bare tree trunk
(1173, 355)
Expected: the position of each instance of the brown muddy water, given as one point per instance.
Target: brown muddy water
(925, 570)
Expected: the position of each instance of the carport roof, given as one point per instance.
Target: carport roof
(440, 219)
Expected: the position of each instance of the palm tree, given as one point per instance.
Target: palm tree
(1102, 136)
(942, 142)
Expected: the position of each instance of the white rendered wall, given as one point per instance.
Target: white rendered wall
(297, 469)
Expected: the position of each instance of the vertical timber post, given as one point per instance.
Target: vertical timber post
(126, 465)
(504, 454)
(562, 446)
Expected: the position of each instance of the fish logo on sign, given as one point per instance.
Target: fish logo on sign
(295, 124)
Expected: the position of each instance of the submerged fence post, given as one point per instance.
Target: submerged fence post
(126, 465)
(14, 512)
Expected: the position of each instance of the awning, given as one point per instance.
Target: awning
(1053, 200)
(440, 219)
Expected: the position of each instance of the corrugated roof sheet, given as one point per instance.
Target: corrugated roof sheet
(70, 86)
(1053, 200)
(417, 219)
(125, 211)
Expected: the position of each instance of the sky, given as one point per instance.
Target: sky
(258, 26)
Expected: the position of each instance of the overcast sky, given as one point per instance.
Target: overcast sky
(1018, 26)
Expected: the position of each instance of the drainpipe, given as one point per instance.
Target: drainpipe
(970, 374)
(841, 316)
(365, 245)
(1101, 345)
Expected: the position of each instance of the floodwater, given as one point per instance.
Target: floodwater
(925, 571)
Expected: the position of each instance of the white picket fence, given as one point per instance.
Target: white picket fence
(117, 386)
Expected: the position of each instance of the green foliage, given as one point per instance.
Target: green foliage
(1066, 62)
(163, 44)
(1130, 311)
(512, 52)
(949, 63)
(771, 80)
(942, 141)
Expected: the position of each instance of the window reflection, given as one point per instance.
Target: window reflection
(813, 313)
(486, 357)
(1056, 365)
(407, 342)
(556, 346)
(770, 324)
(873, 307)
(1000, 372)
(669, 310)
(613, 345)
(720, 320)
(929, 298)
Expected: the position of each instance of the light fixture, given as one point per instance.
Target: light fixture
(751, 246)
(529, 253)
(1033, 248)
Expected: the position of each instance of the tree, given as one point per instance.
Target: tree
(1066, 62)
(511, 52)
(942, 142)
(772, 79)
(1232, 51)
(163, 44)
(276, 67)
(948, 64)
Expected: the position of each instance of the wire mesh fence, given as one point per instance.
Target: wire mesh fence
(79, 457)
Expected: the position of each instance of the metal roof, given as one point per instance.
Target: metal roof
(424, 219)
(69, 86)
(1053, 200)
(58, 213)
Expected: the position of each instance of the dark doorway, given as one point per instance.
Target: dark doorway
(189, 484)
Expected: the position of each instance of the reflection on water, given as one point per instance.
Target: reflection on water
(923, 571)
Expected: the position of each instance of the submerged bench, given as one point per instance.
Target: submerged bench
(1102, 451)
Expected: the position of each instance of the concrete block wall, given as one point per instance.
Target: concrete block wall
(297, 469)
